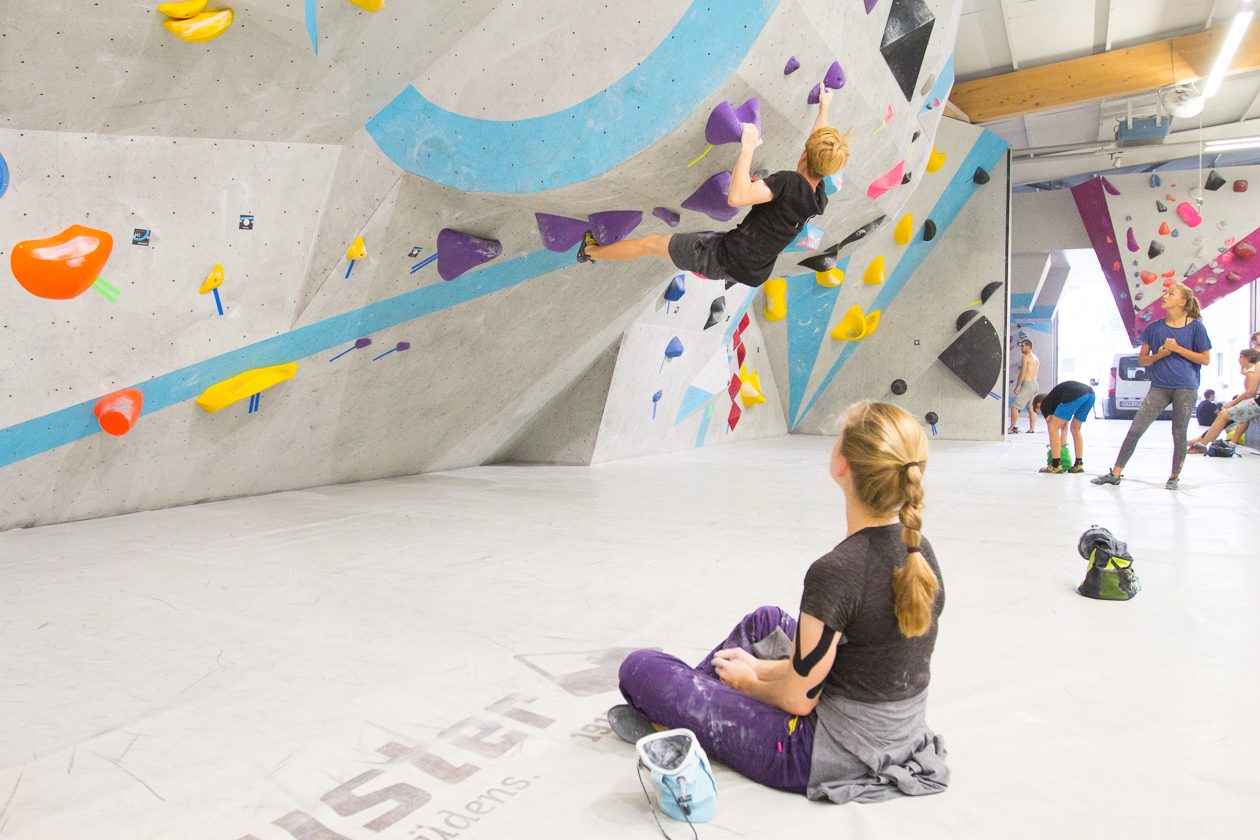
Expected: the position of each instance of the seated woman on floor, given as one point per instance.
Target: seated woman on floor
(1241, 409)
(832, 706)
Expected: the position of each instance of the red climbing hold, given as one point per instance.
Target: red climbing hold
(733, 388)
(1149, 277)
(732, 419)
(1164, 229)
(1245, 250)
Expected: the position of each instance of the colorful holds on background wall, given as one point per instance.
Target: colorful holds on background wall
(460, 252)
(244, 385)
(904, 43)
(1161, 206)
(855, 326)
(989, 290)
(211, 284)
(1110, 187)
(356, 252)
(711, 198)
(1148, 277)
(935, 160)
(1165, 229)
(560, 233)
(717, 311)
(63, 266)
(183, 10)
(202, 27)
(1130, 239)
(904, 231)
(792, 66)
(859, 234)
(369, 5)
(1155, 180)
(833, 80)
(1214, 181)
(1154, 250)
(666, 215)
(776, 299)
(964, 318)
(1244, 250)
(676, 289)
(673, 350)
(898, 387)
(885, 182)
(823, 261)
(726, 122)
(750, 388)
(117, 412)
(829, 279)
(4, 176)
(875, 272)
(1240, 186)
(929, 230)
(981, 177)
(1189, 214)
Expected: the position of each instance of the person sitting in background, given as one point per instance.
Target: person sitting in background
(1241, 409)
(1206, 411)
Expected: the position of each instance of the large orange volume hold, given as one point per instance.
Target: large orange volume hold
(62, 266)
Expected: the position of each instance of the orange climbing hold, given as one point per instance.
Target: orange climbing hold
(117, 412)
(1164, 229)
(62, 266)
(1149, 277)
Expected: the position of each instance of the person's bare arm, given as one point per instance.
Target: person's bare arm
(824, 102)
(1200, 358)
(1146, 357)
(794, 688)
(744, 191)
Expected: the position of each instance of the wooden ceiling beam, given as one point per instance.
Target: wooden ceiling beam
(1109, 75)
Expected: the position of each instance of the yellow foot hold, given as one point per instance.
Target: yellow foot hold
(213, 280)
(204, 27)
(905, 230)
(369, 5)
(357, 249)
(830, 279)
(874, 272)
(936, 160)
(750, 388)
(855, 326)
(183, 10)
(776, 299)
(244, 385)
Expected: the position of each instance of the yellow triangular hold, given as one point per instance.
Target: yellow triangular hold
(213, 280)
(243, 386)
(872, 323)
(852, 326)
(183, 10)
(935, 160)
(776, 299)
(874, 272)
(905, 230)
(357, 249)
(369, 5)
(750, 388)
(829, 279)
(204, 27)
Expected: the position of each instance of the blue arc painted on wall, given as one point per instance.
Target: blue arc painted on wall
(589, 138)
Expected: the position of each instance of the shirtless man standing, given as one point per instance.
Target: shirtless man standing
(1025, 388)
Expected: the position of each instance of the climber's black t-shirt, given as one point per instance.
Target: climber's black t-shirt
(748, 252)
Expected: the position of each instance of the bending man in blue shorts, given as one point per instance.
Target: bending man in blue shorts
(781, 205)
(1068, 402)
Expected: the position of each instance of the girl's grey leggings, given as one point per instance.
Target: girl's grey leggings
(1183, 400)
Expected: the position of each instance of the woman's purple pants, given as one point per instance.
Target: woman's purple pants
(764, 743)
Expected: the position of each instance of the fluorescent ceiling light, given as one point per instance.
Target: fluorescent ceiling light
(1222, 146)
(1232, 39)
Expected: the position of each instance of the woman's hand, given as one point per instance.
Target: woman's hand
(737, 673)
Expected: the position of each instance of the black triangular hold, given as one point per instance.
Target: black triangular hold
(1161, 206)
(1155, 250)
(964, 318)
(905, 41)
(824, 261)
(981, 177)
(989, 289)
(717, 311)
(862, 232)
(1214, 181)
(906, 178)
(916, 136)
(975, 356)
(729, 285)
(929, 230)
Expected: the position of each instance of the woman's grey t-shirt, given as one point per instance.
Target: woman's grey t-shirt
(849, 589)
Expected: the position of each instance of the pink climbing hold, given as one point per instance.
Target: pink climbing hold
(711, 198)
(1245, 250)
(560, 233)
(792, 66)
(1233, 277)
(887, 181)
(1189, 214)
(1110, 187)
(459, 252)
(614, 225)
(726, 123)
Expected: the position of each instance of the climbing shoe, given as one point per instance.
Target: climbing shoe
(1106, 478)
(1054, 469)
(1078, 467)
(628, 724)
(1170, 484)
(588, 239)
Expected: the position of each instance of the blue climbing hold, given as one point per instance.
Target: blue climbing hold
(674, 349)
(4, 176)
(676, 288)
(1155, 180)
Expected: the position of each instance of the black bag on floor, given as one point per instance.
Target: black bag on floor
(1221, 449)
(1109, 575)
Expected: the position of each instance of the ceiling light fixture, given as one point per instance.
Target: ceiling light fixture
(1232, 145)
(1246, 11)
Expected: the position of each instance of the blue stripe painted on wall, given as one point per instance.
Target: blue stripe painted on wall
(694, 400)
(70, 424)
(810, 307)
(944, 83)
(311, 25)
(705, 422)
(1041, 313)
(1021, 300)
(589, 138)
(986, 153)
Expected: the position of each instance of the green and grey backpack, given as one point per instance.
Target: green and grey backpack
(1109, 575)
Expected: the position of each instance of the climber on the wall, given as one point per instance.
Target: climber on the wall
(782, 204)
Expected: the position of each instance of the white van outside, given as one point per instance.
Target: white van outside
(1127, 386)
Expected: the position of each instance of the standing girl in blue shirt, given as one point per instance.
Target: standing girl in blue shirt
(1174, 349)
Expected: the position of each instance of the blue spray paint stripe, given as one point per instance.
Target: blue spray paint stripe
(70, 424)
(705, 422)
(311, 29)
(944, 83)
(809, 311)
(1041, 313)
(1021, 300)
(985, 154)
(589, 138)
(739, 316)
(4, 176)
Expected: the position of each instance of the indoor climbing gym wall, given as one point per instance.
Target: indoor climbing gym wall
(285, 245)
(1173, 227)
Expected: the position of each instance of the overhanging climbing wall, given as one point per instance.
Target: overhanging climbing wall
(399, 265)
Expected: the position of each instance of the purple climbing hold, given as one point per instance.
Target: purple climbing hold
(726, 123)
(667, 216)
(792, 66)
(834, 80)
(1110, 187)
(613, 225)
(711, 198)
(560, 233)
(459, 252)
(870, 5)
(1132, 242)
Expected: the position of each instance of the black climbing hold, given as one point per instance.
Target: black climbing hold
(964, 318)
(975, 356)
(1155, 250)
(898, 386)
(1161, 206)
(905, 178)
(916, 136)
(717, 311)
(932, 419)
(989, 289)
(1214, 181)
(862, 232)
(728, 285)
(981, 177)
(929, 230)
(824, 261)
(905, 41)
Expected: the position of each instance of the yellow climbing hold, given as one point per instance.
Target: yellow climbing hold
(357, 249)
(830, 279)
(244, 385)
(905, 230)
(204, 27)
(935, 160)
(872, 322)
(852, 326)
(750, 388)
(213, 280)
(776, 299)
(183, 10)
(874, 272)
(369, 5)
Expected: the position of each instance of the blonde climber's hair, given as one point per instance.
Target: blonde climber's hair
(826, 151)
(887, 453)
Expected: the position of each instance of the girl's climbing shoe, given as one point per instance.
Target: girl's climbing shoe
(588, 239)
(1106, 478)
(628, 724)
